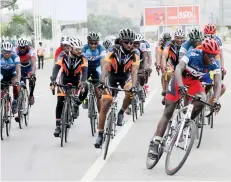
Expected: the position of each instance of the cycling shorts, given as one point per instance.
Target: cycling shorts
(25, 70)
(61, 91)
(7, 76)
(115, 80)
(195, 87)
(94, 74)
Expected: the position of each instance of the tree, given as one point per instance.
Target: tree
(10, 4)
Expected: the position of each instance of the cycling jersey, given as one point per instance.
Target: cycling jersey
(59, 53)
(185, 47)
(171, 52)
(27, 56)
(8, 67)
(194, 70)
(147, 44)
(94, 56)
(218, 39)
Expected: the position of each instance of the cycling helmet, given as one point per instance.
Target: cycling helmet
(210, 46)
(139, 37)
(210, 29)
(7, 46)
(65, 40)
(76, 43)
(22, 42)
(179, 33)
(195, 34)
(107, 43)
(93, 36)
(165, 36)
(127, 34)
(117, 41)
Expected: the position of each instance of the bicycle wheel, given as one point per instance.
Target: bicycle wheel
(3, 114)
(108, 133)
(64, 125)
(20, 109)
(133, 110)
(191, 127)
(92, 114)
(200, 126)
(9, 117)
(211, 121)
(68, 125)
(26, 108)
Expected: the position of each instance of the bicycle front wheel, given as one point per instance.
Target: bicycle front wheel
(64, 121)
(3, 113)
(200, 126)
(9, 117)
(108, 133)
(20, 109)
(134, 110)
(189, 132)
(92, 115)
(26, 108)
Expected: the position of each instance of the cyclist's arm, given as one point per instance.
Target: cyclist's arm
(18, 68)
(158, 57)
(56, 69)
(217, 84)
(222, 58)
(84, 67)
(145, 59)
(149, 59)
(33, 61)
(179, 69)
(135, 68)
(105, 66)
(165, 57)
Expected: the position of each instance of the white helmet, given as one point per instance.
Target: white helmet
(22, 42)
(76, 43)
(179, 33)
(65, 40)
(7, 46)
(139, 37)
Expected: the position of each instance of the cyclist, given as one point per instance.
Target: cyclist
(194, 64)
(107, 45)
(73, 67)
(27, 57)
(195, 39)
(94, 53)
(170, 57)
(10, 71)
(164, 38)
(121, 66)
(63, 48)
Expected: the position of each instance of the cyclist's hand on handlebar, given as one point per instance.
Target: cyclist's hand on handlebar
(52, 85)
(217, 106)
(182, 90)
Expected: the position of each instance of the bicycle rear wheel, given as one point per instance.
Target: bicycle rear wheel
(191, 133)
(108, 133)
(20, 109)
(134, 111)
(211, 121)
(200, 126)
(9, 117)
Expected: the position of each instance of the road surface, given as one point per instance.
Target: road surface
(33, 153)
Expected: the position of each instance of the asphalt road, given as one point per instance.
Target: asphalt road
(33, 153)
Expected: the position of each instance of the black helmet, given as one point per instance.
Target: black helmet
(195, 34)
(93, 36)
(107, 43)
(127, 34)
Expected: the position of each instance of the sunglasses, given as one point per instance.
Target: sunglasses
(7, 52)
(23, 47)
(128, 42)
(93, 43)
(77, 49)
(136, 43)
(209, 36)
(211, 56)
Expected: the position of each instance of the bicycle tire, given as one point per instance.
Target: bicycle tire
(63, 125)
(20, 112)
(9, 117)
(108, 133)
(27, 105)
(133, 110)
(211, 121)
(2, 118)
(69, 117)
(176, 169)
(201, 117)
(92, 115)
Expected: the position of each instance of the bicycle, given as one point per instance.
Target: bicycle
(92, 107)
(6, 109)
(66, 118)
(111, 121)
(180, 128)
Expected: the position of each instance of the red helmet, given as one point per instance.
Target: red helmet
(210, 46)
(210, 29)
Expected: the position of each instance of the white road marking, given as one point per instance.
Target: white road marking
(97, 166)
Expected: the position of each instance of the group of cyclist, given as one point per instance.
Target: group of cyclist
(124, 62)
(185, 65)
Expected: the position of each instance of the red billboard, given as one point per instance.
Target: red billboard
(171, 15)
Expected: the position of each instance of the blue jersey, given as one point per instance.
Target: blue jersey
(218, 40)
(94, 56)
(148, 47)
(9, 66)
(185, 47)
(195, 67)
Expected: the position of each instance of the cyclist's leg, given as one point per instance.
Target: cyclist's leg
(39, 62)
(106, 101)
(96, 75)
(171, 97)
(126, 83)
(42, 60)
(223, 89)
